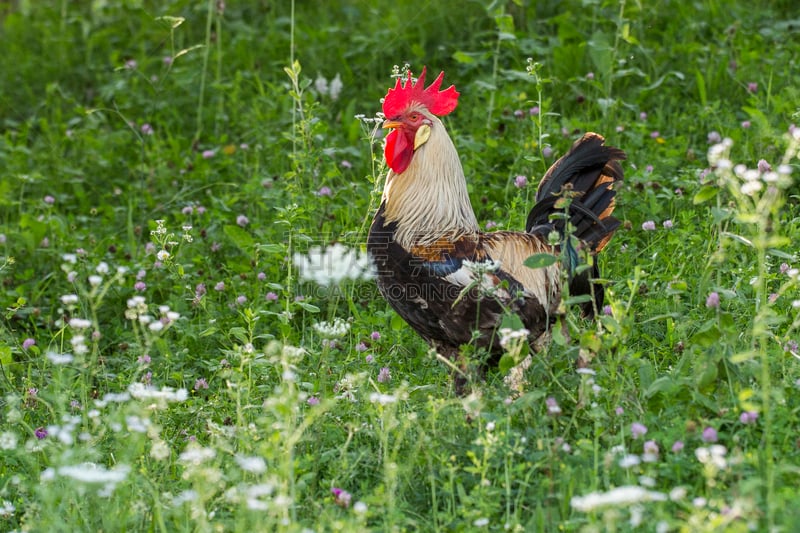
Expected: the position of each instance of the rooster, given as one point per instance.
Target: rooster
(452, 282)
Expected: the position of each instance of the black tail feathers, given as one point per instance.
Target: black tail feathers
(590, 169)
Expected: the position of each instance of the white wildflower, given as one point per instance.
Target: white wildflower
(481, 522)
(749, 188)
(159, 450)
(102, 268)
(360, 507)
(293, 353)
(137, 424)
(7, 509)
(677, 494)
(699, 502)
(155, 326)
(8, 440)
(332, 330)
(751, 174)
(335, 87)
(136, 302)
(162, 255)
(69, 299)
(70, 258)
(79, 344)
(321, 84)
(619, 496)
(647, 481)
(256, 496)
(382, 399)
(79, 323)
(509, 336)
(116, 397)
(629, 461)
(715, 153)
(194, 454)
(93, 473)
(333, 265)
(60, 358)
(142, 392)
(713, 455)
(185, 497)
(256, 465)
(94, 281)
(637, 513)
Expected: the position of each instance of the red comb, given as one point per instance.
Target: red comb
(438, 102)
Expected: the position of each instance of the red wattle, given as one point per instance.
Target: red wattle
(398, 151)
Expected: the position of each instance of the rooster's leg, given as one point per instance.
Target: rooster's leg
(463, 373)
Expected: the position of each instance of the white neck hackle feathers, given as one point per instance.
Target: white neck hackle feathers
(429, 200)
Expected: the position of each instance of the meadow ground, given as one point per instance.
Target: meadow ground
(189, 340)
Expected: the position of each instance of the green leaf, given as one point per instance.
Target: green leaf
(240, 334)
(5, 355)
(558, 334)
(738, 238)
(511, 321)
(173, 22)
(271, 248)
(701, 87)
(708, 334)
(665, 384)
(540, 260)
(705, 194)
(601, 52)
(309, 307)
(398, 324)
(240, 237)
(463, 57)
(506, 363)
(781, 254)
(581, 298)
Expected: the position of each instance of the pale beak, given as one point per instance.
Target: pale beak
(391, 124)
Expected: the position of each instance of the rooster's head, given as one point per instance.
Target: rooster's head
(408, 109)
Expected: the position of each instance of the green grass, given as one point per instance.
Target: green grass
(115, 118)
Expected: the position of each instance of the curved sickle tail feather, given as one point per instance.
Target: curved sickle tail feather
(590, 169)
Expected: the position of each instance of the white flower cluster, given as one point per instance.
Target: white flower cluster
(752, 180)
(714, 456)
(332, 330)
(194, 454)
(140, 391)
(137, 310)
(333, 265)
(94, 473)
(510, 337)
(382, 399)
(331, 89)
(7, 509)
(619, 496)
(91, 474)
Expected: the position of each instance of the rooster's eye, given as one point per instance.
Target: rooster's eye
(414, 117)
